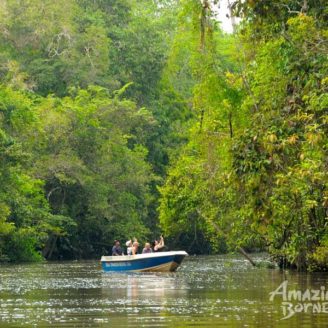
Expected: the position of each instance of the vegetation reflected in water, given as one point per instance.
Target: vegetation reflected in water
(207, 291)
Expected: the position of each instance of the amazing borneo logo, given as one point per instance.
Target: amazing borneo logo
(293, 301)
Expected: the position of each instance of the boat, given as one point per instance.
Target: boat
(150, 262)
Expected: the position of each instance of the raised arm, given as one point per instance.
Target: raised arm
(161, 242)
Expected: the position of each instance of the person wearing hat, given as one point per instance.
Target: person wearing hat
(128, 244)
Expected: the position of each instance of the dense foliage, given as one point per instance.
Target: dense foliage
(127, 118)
(255, 168)
(81, 156)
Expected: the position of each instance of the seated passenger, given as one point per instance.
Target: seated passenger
(135, 247)
(147, 249)
(159, 245)
(116, 250)
(129, 247)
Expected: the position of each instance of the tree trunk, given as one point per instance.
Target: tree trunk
(240, 249)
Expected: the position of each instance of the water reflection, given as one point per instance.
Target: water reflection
(133, 286)
(216, 291)
(142, 293)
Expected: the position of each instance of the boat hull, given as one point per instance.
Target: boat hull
(154, 262)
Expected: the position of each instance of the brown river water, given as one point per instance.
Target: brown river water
(206, 291)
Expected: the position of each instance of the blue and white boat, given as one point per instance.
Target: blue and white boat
(151, 262)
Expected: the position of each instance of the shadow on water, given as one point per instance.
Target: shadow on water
(208, 291)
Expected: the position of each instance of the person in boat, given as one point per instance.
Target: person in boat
(159, 244)
(147, 249)
(135, 247)
(129, 247)
(132, 247)
(117, 250)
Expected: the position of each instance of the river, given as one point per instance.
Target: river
(207, 291)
